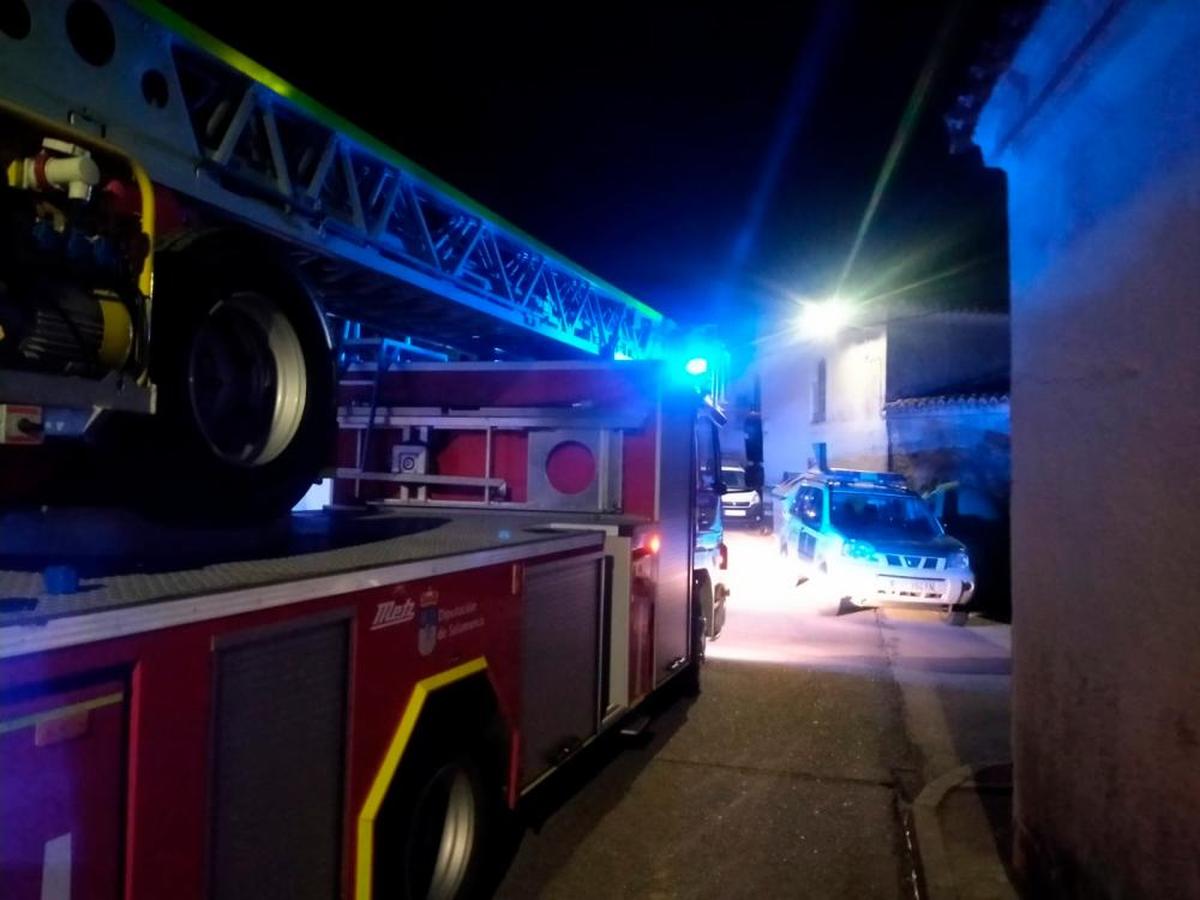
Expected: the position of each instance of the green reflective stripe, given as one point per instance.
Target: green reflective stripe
(61, 712)
(268, 79)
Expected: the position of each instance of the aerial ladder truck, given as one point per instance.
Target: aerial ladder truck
(227, 292)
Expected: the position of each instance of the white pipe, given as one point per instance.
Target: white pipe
(77, 174)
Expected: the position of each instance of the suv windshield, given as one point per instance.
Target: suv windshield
(735, 479)
(875, 516)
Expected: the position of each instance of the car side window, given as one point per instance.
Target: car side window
(808, 506)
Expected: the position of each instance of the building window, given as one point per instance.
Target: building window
(818, 394)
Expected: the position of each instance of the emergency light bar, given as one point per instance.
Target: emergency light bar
(846, 476)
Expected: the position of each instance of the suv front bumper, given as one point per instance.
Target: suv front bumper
(869, 586)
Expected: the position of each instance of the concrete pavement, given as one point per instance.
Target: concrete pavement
(794, 774)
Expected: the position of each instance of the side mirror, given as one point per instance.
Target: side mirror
(754, 476)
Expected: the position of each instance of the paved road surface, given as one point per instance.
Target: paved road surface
(791, 775)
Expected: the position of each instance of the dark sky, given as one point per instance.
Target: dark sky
(633, 138)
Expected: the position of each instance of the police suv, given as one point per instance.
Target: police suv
(864, 539)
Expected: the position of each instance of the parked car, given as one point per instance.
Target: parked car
(740, 503)
(864, 539)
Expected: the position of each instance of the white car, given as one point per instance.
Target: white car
(864, 539)
(740, 504)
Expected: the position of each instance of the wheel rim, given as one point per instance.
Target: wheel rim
(247, 380)
(443, 837)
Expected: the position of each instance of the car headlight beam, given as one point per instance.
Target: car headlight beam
(861, 550)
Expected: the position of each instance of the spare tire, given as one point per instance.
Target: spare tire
(246, 385)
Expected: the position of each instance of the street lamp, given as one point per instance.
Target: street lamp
(823, 319)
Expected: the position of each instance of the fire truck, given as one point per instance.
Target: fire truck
(351, 702)
(225, 291)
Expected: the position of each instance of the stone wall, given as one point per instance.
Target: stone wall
(1097, 125)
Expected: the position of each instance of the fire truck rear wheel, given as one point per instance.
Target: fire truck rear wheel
(442, 845)
(431, 843)
(245, 376)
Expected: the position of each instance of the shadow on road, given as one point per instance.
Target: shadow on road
(607, 767)
(985, 665)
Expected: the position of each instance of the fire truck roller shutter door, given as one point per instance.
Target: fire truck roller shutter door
(278, 757)
(560, 683)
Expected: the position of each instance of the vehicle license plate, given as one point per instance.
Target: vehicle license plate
(910, 587)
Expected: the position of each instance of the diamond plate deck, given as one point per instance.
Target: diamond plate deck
(123, 561)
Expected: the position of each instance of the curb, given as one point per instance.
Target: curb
(938, 874)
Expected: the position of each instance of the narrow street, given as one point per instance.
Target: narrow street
(792, 774)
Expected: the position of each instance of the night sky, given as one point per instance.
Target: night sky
(634, 138)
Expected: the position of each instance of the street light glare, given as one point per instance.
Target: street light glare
(822, 320)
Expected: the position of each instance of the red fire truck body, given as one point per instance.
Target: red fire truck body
(344, 703)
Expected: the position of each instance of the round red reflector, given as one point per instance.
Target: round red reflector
(570, 468)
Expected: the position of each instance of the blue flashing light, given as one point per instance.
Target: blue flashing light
(697, 365)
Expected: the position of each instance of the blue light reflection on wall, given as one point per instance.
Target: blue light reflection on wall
(1145, 130)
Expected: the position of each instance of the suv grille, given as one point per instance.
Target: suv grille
(915, 562)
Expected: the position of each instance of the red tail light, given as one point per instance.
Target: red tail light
(648, 547)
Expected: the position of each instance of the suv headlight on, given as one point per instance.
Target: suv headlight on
(958, 560)
(860, 550)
